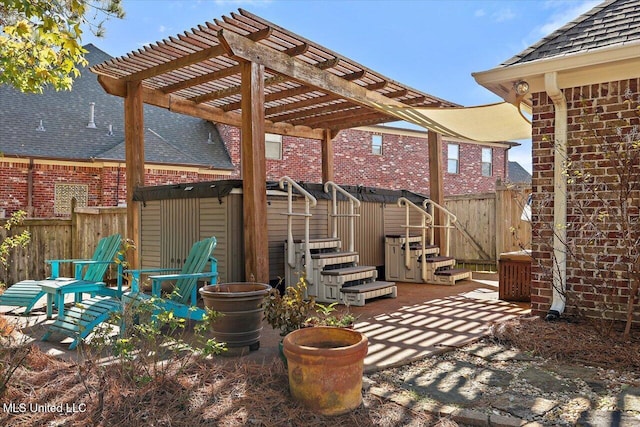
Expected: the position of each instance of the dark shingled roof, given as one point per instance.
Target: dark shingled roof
(517, 174)
(613, 22)
(169, 138)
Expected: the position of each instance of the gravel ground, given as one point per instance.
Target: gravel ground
(496, 378)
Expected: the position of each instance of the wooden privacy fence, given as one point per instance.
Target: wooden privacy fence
(60, 239)
(489, 224)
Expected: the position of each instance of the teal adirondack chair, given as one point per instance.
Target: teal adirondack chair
(182, 302)
(28, 292)
(79, 321)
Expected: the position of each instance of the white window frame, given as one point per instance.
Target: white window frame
(376, 147)
(455, 161)
(486, 161)
(273, 146)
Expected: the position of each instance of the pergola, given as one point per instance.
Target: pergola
(247, 72)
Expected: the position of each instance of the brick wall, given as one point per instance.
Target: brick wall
(601, 117)
(404, 163)
(106, 185)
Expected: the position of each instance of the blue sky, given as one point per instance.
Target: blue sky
(433, 46)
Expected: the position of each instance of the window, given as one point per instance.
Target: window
(64, 193)
(273, 146)
(376, 144)
(487, 162)
(453, 158)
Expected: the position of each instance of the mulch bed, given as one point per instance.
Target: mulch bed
(593, 343)
(222, 392)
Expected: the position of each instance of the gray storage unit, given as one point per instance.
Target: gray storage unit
(173, 217)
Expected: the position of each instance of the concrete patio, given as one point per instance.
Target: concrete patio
(423, 320)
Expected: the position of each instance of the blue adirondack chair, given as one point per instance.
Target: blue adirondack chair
(79, 321)
(28, 292)
(183, 300)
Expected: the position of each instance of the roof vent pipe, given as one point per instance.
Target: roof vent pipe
(110, 131)
(40, 127)
(92, 123)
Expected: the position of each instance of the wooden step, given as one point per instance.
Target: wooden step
(348, 270)
(358, 294)
(342, 276)
(326, 255)
(414, 246)
(451, 272)
(366, 287)
(334, 260)
(439, 258)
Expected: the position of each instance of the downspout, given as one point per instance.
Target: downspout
(559, 196)
(30, 189)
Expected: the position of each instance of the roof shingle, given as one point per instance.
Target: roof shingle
(170, 138)
(613, 22)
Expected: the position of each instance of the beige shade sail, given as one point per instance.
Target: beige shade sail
(484, 123)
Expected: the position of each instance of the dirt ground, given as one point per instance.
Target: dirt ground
(45, 391)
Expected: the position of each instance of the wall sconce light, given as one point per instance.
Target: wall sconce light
(521, 87)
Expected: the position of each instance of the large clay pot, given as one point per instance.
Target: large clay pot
(241, 304)
(325, 367)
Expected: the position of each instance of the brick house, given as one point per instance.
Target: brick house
(62, 145)
(583, 84)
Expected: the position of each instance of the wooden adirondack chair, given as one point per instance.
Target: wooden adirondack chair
(183, 300)
(81, 319)
(28, 292)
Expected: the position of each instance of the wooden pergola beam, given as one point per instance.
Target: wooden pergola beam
(436, 187)
(177, 63)
(311, 111)
(134, 158)
(206, 112)
(298, 70)
(254, 171)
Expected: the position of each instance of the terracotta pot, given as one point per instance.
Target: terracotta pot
(241, 304)
(325, 367)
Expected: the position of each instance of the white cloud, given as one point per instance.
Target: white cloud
(480, 12)
(162, 28)
(566, 12)
(504, 15)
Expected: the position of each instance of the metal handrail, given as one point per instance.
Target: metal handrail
(425, 218)
(310, 202)
(353, 203)
(451, 219)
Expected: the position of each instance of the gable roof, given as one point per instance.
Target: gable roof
(600, 46)
(172, 138)
(517, 174)
(613, 22)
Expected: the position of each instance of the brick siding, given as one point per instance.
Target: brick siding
(596, 272)
(404, 164)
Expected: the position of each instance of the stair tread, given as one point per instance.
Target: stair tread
(417, 245)
(366, 287)
(439, 258)
(451, 272)
(320, 240)
(348, 270)
(325, 255)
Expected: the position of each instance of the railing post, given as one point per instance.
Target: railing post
(353, 203)
(310, 202)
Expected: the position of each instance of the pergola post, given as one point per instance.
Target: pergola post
(436, 192)
(254, 186)
(327, 156)
(134, 154)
